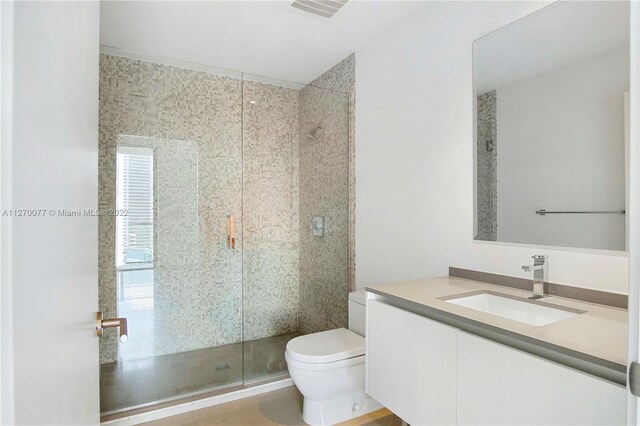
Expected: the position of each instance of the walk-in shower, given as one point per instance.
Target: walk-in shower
(214, 261)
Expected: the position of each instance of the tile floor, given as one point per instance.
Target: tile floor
(281, 407)
(131, 383)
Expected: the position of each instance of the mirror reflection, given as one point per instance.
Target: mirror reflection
(551, 113)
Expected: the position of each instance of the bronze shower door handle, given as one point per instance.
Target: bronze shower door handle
(231, 231)
(102, 323)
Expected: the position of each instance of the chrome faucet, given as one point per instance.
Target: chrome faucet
(538, 276)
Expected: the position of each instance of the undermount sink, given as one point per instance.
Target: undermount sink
(513, 308)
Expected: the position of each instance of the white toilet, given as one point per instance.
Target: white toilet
(328, 369)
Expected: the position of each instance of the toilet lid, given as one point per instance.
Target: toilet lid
(326, 346)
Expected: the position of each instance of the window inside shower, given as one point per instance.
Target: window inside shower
(134, 246)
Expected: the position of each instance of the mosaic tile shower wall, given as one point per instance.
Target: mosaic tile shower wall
(342, 78)
(326, 160)
(225, 146)
(487, 166)
(197, 296)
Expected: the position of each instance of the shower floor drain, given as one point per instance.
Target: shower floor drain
(224, 366)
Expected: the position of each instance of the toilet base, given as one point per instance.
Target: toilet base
(340, 409)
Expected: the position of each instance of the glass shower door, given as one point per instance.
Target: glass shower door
(171, 160)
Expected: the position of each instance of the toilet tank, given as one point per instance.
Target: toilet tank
(357, 311)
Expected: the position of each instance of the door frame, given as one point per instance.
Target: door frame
(6, 313)
(634, 206)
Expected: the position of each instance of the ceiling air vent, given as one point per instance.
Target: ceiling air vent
(324, 8)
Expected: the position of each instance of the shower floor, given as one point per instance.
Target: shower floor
(128, 384)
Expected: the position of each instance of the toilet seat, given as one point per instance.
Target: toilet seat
(326, 347)
(325, 366)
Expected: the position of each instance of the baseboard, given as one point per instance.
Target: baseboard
(198, 404)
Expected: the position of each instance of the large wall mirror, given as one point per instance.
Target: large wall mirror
(551, 127)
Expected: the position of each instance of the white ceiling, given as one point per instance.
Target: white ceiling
(557, 35)
(265, 38)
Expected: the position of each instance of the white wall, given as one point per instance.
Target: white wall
(561, 146)
(414, 162)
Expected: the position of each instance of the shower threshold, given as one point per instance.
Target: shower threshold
(138, 386)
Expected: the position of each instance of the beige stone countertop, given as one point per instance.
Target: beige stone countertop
(600, 332)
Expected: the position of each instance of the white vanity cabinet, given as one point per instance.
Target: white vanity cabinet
(430, 373)
(499, 385)
(411, 365)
